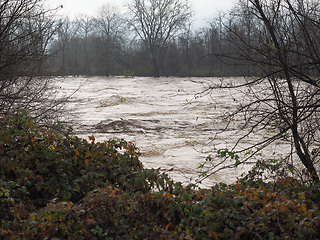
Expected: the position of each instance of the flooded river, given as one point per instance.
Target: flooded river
(171, 122)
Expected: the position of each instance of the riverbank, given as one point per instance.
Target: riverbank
(61, 186)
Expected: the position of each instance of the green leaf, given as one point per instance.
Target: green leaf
(237, 163)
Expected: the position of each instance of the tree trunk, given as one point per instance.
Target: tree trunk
(299, 143)
(155, 65)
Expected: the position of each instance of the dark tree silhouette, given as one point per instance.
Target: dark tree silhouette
(156, 22)
(282, 38)
(26, 29)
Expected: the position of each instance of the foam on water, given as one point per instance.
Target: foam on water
(173, 129)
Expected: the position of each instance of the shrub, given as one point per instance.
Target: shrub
(38, 165)
(63, 187)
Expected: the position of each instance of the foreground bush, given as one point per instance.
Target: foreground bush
(62, 187)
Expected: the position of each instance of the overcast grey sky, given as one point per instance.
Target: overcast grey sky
(203, 9)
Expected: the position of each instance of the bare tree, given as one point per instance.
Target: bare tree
(156, 21)
(84, 30)
(111, 30)
(282, 38)
(26, 30)
(66, 46)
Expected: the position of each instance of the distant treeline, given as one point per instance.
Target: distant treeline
(105, 46)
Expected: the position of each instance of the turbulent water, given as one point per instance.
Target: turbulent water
(172, 123)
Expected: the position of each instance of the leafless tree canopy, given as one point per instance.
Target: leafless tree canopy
(282, 39)
(105, 45)
(156, 21)
(25, 32)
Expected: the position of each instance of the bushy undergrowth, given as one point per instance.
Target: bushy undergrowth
(62, 187)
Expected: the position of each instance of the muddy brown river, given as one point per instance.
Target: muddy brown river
(171, 122)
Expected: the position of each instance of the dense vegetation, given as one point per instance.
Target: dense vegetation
(57, 186)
